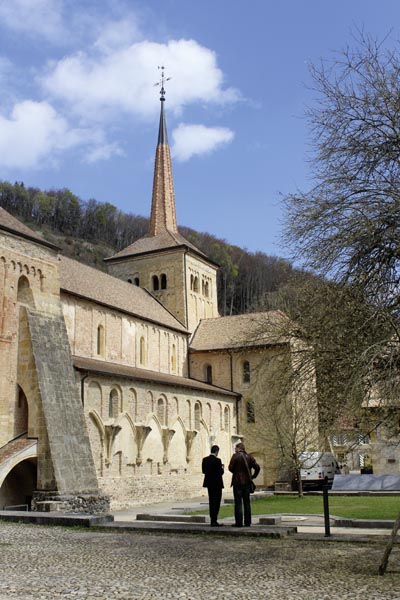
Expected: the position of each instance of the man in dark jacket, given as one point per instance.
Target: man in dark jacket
(213, 470)
(244, 468)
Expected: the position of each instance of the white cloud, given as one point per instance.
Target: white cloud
(40, 18)
(103, 151)
(35, 135)
(115, 35)
(123, 79)
(191, 140)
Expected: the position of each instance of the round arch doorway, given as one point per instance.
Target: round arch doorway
(18, 486)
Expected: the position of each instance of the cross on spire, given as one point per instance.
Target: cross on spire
(161, 83)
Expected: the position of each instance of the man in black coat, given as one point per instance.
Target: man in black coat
(213, 470)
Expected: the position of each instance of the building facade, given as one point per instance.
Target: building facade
(114, 386)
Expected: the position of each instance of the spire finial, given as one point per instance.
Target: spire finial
(161, 83)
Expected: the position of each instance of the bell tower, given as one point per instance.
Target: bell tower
(181, 277)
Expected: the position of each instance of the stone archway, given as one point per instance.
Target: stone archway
(18, 486)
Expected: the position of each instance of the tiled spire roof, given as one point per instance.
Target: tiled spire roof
(163, 211)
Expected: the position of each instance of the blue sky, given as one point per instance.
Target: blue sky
(78, 106)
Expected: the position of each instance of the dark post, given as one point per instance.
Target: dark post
(325, 489)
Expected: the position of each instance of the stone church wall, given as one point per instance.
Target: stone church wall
(252, 372)
(144, 268)
(163, 350)
(25, 262)
(201, 291)
(148, 440)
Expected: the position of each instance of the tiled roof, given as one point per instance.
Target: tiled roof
(107, 368)
(12, 224)
(163, 241)
(252, 329)
(86, 282)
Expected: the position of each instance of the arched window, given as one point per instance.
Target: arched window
(161, 411)
(142, 351)
(136, 281)
(196, 284)
(132, 406)
(113, 404)
(197, 416)
(129, 280)
(246, 372)
(250, 414)
(100, 340)
(206, 289)
(156, 283)
(21, 413)
(208, 373)
(173, 358)
(24, 293)
(226, 418)
(203, 287)
(163, 281)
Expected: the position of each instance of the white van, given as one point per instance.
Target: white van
(318, 468)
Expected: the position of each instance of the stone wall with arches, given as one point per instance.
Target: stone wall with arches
(28, 277)
(103, 333)
(148, 440)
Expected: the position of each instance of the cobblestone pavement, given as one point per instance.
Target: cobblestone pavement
(39, 563)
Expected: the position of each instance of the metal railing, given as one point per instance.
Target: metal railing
(17, 507)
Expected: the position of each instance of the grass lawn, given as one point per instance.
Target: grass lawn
(356, 507)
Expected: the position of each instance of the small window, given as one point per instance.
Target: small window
(156, 283)
(173, 358)
(163, 281)
(208, 373)
(136, 281)
(196, 284)
(197, 416)
(192, 282)
(250, 413)
(100, 340)
(113, 404)
(129, 280)
(246, 372)
(226, 418)
(161, 411)
(206, 289)
(142, 352)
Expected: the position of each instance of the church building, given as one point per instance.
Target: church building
(114, 386)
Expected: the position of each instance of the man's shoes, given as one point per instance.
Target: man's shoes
(236, 525)
(216, 524)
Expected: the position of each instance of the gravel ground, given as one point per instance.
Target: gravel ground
(39, 563)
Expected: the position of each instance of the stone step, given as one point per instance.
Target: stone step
(172, 518)
(50, 506)
(270, 520)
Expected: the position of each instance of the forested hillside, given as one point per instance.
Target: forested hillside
(89, 231)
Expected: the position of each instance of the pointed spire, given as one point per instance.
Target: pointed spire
(163, 210)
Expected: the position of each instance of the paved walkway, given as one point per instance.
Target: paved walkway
(48, 563)
(164, 561)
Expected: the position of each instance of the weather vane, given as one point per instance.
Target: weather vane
(161, 83)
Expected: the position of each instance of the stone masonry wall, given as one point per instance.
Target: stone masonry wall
(67, 435)
(37, 265)
(122, 338)
(148, 439)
